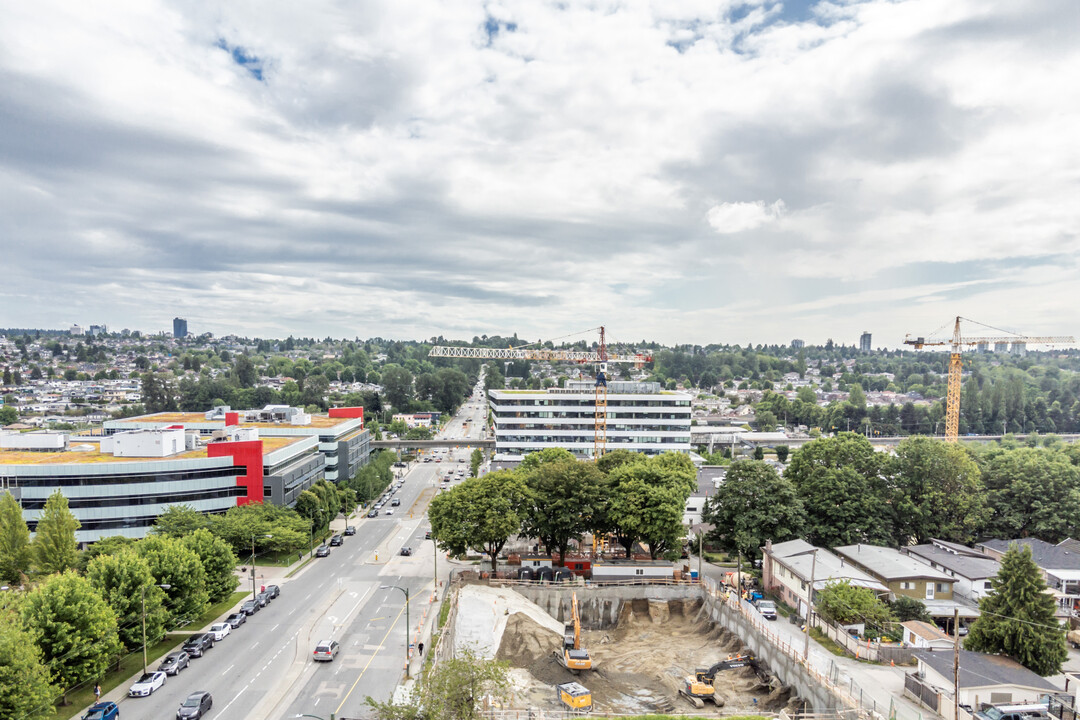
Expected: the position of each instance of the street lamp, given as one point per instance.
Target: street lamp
(407, 624)
(300, 715)
(253, 564)
(163, 586)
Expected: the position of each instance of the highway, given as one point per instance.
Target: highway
(264, 670)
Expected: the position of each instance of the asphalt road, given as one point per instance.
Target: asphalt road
(264, 670)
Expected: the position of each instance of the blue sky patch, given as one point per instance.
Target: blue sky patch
(251, 63)
(493, 27)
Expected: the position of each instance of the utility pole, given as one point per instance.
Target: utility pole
(809, 606)
(956, 663)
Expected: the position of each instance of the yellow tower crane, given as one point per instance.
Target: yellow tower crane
(957, 342)
(602, 357)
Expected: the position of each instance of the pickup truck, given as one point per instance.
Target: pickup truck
(767, 608)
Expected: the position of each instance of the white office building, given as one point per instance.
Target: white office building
(640, 417)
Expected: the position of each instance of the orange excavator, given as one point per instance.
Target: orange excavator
(573, 657)
(698, 688)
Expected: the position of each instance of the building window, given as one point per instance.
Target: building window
(268, 491)
(942, 587)
(639, 571)
(987, 585)
(904, 585)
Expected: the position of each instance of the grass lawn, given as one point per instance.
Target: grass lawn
(82, 697)
(825, 642)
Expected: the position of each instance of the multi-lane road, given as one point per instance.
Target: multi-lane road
(264, 669)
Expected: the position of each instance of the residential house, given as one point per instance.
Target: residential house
(1060, 566)
(923, 635)
(709, 478)
(970, 570)
(983, 679)
(787, 568)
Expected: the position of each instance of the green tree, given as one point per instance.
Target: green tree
(105, 546)
(938, 493)
(8, 415)
(74, 627)
(244, 372)
(1033, 493)
(179, 521)
(454, 689)
(480, 513)
(26, 689)
(782, 453)
(55, 549)
(842, 603)
(475, 459)
(240, 525)
(908, 608)
(397, 385)
(1017, 617)
(759, 453)
(15, 552)
(173, 564)
(840, 482)
(562, 501)
(120, 580)
(752, 505)
(159, 392)
(218, 561)
(645, 500)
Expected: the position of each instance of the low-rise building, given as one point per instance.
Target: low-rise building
(788, 568)
(1059, 564)
(923, 635)
(982, 680)
(970, 570)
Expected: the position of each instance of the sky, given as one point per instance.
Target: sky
(682, 172)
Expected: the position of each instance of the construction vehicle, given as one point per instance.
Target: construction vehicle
(698, 688)
(573, 657)
(575, 697)
(952, 402)
(601, 358)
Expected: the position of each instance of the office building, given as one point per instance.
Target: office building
(641, 417)
(179, 328)
(864, 341)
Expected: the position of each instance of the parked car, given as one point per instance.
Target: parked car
(102, 711)
(220, 631)
(336, 541)
(427, 535)
(147, 684)
(195, 706)
(373, 512)
(326, 651)
(406, 550)
(198, 644)
(395, 502)
(236, 619)
(263, 599)
(350, 530)
(322, 551)
(250, 607)
(174, 662)
(273, 591)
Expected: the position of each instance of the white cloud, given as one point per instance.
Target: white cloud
(727, 218)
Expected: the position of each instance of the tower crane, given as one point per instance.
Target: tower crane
(957, 342)
(602, 357)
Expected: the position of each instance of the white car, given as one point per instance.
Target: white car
(220, 630)
(147, 684)
(389, 511)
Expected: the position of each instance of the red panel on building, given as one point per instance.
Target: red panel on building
(232, 418)
(347, 412)
(248, 454)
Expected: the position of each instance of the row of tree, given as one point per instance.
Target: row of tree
(555, 499)
(840, 491)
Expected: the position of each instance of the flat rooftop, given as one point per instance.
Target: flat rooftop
(94, 455)
(198, 418)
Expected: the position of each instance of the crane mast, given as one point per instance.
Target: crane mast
(957, 343)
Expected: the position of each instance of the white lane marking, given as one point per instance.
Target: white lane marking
(316, 702)
(256, 644)
(274, 628)
(229, 668)
(234, 699)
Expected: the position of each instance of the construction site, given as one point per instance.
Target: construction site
(634, 655)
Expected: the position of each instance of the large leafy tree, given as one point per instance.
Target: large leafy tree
(645, 499)
(1017, 617)
(454, 689)
(938, 493)
(105, 546)
(15, 552)
(218, 560)
(480, 513)
(752, 505)
(26, 689)
(563, 496)
(74, 627)
(840, 482)
(397, 385)
(255, 521)
(843, 603)
(55, 549)
(121, 579)
(172, 563)
(180, 520)
(1033, 493)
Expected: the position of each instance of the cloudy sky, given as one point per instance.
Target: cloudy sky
(679, 170)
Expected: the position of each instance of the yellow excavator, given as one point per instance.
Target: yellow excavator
(575, 697)
(573, 657)
(698, 688)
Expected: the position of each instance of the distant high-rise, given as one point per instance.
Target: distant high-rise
(864, 341)
(1019, 348)
(179, 328)
(798, 344)
(982, 347)
(1001, 347)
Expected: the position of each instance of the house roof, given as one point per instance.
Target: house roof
(981, 670)
(972, 567)
(890, 564)
(925, 630)
(795, 555)
(1044, 554)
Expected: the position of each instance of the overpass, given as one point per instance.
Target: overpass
(752, 440)
(425, 444)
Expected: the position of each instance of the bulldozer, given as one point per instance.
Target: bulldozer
(698, 688)
(573, 657)
(575, 697)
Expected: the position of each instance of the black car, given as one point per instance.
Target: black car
(250, 607)
(199, 644)
(427, 535)
(195, 706)
(236, 619)
(350, 530)
(174, 662)
(263, 599)
(406, 550)
(273, 591)
(322, 551)
(336, 541)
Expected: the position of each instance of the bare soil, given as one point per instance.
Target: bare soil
(639, 664)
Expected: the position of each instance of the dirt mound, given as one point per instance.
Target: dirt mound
(524, 641)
